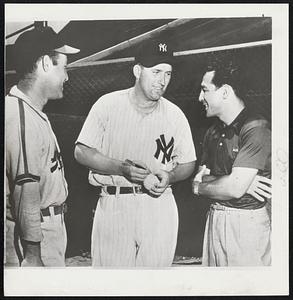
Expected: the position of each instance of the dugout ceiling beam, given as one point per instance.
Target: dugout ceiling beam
(130, 42)
(191, 35)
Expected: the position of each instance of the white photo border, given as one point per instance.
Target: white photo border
(183, 281)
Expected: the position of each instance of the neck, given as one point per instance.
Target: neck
(34, 92)
(231, 112)
(141, 102)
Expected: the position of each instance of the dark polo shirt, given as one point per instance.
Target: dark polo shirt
(246, 143)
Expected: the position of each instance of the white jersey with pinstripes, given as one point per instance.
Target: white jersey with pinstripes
(160, 139)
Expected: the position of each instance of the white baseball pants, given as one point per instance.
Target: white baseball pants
(237, 237)
(135, 231)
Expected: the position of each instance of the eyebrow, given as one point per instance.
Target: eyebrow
(160, 70)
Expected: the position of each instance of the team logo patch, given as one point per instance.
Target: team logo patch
(164, 148)
(57, 161)
(162, 47)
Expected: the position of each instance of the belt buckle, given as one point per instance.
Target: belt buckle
(139, 189)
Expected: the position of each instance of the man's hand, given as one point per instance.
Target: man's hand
(133, 173)
(260, 188)
(32, 257)
(32, 262)
(160, 187)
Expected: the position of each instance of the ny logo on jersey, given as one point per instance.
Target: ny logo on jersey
(57, 161)
(162, 47)
(166, 149)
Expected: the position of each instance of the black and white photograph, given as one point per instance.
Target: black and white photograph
(146, 149)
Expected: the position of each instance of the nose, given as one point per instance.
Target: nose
(201, 97)
(162, 79)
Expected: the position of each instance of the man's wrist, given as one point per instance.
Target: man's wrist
(32, 249)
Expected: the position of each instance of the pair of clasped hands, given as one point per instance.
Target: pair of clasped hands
(260, 188)
(138, 172)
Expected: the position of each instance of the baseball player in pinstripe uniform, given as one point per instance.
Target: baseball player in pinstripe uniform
(136, 144)
(35, 182)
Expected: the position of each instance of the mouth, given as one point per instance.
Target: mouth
(158, 89)
(205, 104)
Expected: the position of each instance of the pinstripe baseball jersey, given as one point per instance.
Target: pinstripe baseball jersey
(115, 128)
(34, 166)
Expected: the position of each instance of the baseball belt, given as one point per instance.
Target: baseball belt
(112, 189)
(45, 212)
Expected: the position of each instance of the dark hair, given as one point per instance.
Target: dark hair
(227, 71)
(25, 66)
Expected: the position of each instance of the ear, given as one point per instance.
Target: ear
(226, 91)
(136, 71)
(46, 62)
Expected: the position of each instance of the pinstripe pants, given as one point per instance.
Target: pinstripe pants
(237, 237)
(135, 231)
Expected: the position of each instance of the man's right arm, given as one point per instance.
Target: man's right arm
(24, 176)
(102, 164)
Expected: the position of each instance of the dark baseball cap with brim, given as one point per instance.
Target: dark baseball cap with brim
(154, 52)
(39, 41)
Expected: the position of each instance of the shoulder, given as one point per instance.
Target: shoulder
(255, 121)
(11, 108)
(112, 99)
(172, 109)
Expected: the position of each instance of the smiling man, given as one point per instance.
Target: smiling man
(234, 173)
(127, 136)
(36, 188)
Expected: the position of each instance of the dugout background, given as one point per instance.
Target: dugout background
(87, 83)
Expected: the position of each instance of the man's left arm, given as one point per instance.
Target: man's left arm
(227, 187)
(254, 151)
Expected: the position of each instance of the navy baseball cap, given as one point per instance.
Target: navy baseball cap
(154, 52)
(37, 42)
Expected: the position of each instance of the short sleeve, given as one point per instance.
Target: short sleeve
(185, 150)
(93, 129)
(23, 170)
(254, 145)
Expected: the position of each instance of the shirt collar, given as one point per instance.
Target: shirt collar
(16, 92)
(237, 123)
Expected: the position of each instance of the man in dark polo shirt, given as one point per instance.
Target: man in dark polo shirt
(234, 173)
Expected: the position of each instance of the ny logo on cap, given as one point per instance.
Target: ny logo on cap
(162, 47)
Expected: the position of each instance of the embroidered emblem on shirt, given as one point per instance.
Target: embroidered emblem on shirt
(165, 148)
(57, 161)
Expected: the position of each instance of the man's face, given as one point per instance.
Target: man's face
(210, 96)
(58, 76)
(154, 81)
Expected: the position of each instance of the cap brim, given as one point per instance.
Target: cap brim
(151, 61)
(67, 50)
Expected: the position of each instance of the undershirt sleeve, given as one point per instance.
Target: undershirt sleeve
(23, 170)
